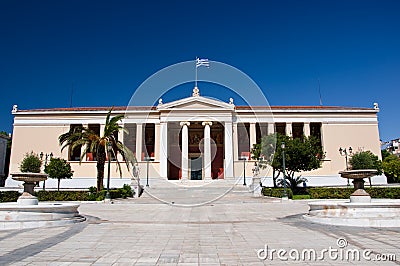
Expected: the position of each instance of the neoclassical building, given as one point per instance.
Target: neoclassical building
(198, 138)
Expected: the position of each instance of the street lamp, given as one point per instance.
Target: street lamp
(109, 149)
(244, 159)
(284, 172)
(46, 156)
(343, 152)
(147, 159)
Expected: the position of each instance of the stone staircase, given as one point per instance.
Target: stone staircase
(194, 193)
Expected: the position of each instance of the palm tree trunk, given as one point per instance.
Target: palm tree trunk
(101, 159)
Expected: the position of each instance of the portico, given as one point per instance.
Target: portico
(199, 130)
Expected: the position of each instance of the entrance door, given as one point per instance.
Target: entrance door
(196, 168)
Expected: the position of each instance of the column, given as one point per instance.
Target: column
(207, 150)
(235, 140)
(229, 146)
(271, 128)
(157, 142)
(83, 148)
(164, 149)
(288, 129)
(306, 129)
(120, 138)
(253, 135)
(139, 142)
(185, 150)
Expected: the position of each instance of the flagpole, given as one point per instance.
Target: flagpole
(195, 81)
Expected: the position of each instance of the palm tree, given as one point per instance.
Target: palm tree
(92, 142)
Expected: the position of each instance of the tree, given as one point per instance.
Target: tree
(82, 136)
(8, 153)
(365, 160)
(391, 168)
(385, 154)
(59, 169)
(301, 154)
(30, 163)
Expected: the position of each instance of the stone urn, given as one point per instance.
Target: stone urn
(30, 180)
(360, 195)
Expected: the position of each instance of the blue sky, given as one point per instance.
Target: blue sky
(108, 48)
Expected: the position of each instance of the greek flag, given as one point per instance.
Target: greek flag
(202, 62)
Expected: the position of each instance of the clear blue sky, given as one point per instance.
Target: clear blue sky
(108, 48)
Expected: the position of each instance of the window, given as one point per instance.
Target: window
(315, 131)
(91, 156)
(243, 138)
(75, 154)
(280, 128)
(130, 137)
(297, 130)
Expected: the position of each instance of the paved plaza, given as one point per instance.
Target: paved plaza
(234, 230)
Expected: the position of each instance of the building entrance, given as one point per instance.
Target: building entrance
(196, 168)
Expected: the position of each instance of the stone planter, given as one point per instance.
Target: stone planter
(30, 180)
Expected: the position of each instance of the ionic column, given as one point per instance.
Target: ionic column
(83, 148)
(271, 128)
(235, 143)
(207, 149)
(289, 129)
(228, 145)
(163, 149)
(306, 129)
(120, 138)
(185, 150)
(139, 142)
(253, 135)
(157, 142)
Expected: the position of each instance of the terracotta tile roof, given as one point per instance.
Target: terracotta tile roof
(89, 109)
(144, 108)
(302, 107)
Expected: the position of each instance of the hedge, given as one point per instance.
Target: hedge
(9, 196)
(91, 195)
(334, 192)
(276, 192)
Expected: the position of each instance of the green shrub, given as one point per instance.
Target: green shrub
(365, 160)
(334, 192)
(9, 196)
(276, 192)
(30, 163)
(62, 195)
(58, 168)
(300, 197)
(330, 193)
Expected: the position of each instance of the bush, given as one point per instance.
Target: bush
(276, 192)
(31, 163)
(59, 169)
(62, 195)
(365, 160)
(330, 193)
(9, 196)
(391, 167)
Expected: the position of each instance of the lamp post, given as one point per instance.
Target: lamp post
(244, 158)
(343, 152)
(147, 159)
(284, 172)
(109, 149)
(46, 156)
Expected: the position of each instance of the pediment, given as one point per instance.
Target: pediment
(195, 103)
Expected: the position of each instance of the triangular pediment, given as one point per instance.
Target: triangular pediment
(196, 103)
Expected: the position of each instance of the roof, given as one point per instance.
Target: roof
(147, 108)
